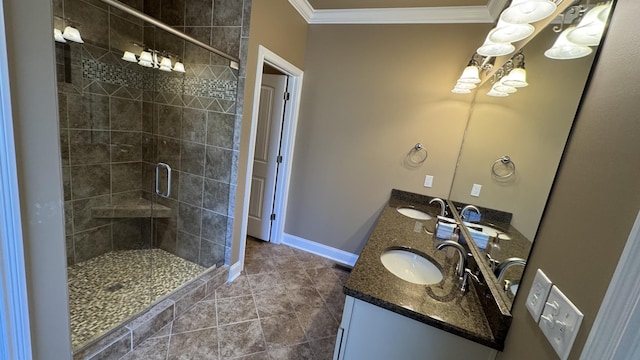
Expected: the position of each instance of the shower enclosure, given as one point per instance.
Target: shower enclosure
(147, 152)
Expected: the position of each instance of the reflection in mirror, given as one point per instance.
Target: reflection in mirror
(531, 128)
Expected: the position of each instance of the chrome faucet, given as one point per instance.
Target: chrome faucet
(502, 268)
(462, 263)
(443, 206)
(469, 207)
(463, 272)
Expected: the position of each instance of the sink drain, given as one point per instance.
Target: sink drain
(114, 287)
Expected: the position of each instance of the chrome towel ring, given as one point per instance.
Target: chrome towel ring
(503, 168)
(418, 148)
(415, 157)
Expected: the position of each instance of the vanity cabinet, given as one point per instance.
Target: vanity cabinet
(371, 332)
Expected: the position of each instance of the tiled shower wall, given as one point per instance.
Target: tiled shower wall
(113, 114)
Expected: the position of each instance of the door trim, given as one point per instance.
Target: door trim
(14, 309)
(620, 305)
(289, 127)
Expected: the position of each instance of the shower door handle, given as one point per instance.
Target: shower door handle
(168, 168)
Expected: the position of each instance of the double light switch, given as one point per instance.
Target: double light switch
(558, 318)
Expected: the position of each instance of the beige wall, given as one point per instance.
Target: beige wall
(596, 196)
(276, 25)
(531, 127)
(371, 92)
(33, 92)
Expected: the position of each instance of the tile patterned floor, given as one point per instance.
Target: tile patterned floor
(287, 304)
(108, 289)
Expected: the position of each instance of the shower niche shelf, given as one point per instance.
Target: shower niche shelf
(140, 208)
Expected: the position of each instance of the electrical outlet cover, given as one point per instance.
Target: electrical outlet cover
(560, 322)
(428, 181)
(538, 294)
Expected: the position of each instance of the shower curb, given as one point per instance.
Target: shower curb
(126, 337)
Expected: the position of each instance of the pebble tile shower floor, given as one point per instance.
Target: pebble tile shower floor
(112, 287)
(287, 304)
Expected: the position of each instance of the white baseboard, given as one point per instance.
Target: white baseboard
(325, 251)
(234, 271)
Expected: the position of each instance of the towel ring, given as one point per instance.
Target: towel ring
(505, 162)
(416, 149)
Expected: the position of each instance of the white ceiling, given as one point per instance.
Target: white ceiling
(455, 12)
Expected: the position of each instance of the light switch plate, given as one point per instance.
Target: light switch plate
(560, 322)
(475, 190)
(428, 181)
(538, 294)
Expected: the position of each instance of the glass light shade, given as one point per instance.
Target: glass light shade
(516, 78)
(563, 49)
(589, 30)
(471, 74)
(527, 11)
(57, 36)
(501, 87)
(466, 85)
(508, 33)
(457, 90)
(178, 66)
(146, 56)
(73, 34)
(145, 63)
(129, 56)
(589, 35)
(603, 15)
(489, 48)
(165, 64)
(493, 92)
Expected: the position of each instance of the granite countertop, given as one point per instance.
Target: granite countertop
(441, 305)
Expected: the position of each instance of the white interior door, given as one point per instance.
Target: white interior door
(265, 164)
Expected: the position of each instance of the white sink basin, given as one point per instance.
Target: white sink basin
(493, 232)
(411, 267)
(414, 214)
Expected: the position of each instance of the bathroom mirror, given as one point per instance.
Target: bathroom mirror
(531, 128)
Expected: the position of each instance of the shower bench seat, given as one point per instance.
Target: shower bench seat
(139, 208)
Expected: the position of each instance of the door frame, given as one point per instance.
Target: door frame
(620, 305)
(14, 307)
(289, 126)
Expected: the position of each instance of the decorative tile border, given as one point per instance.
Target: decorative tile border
(224, 87)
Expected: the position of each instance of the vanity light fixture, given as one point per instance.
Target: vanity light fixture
(518, 23)
(152, 58)
(528, 11)
(575, 41)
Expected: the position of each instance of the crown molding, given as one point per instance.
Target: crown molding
(425, 15)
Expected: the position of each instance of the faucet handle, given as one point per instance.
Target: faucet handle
(465, 280)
